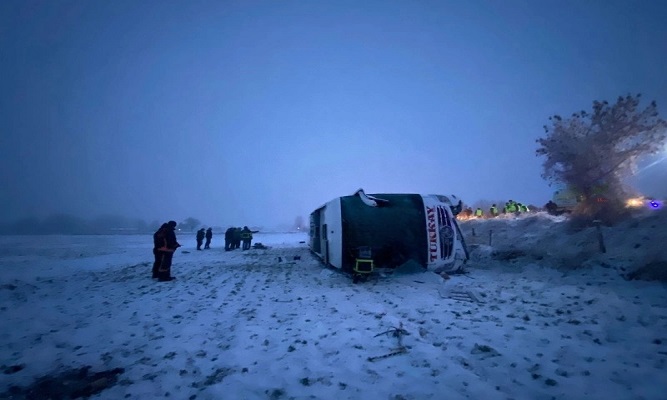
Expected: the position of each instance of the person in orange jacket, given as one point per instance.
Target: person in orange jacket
(166, 252)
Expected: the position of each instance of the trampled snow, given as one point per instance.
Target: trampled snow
(276, 324)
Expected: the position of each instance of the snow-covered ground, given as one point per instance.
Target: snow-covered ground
(276, 324)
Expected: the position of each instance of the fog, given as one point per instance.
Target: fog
(254, 113)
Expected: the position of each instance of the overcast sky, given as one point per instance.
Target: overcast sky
(252, 112)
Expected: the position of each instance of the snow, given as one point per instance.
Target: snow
(550, 323)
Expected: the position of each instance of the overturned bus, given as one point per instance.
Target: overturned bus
(391, 229)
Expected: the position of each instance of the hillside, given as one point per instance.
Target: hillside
(636, 248)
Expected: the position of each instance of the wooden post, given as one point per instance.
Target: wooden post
(603, 248)
(490, 236)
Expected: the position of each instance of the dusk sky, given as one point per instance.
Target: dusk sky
(253, 113)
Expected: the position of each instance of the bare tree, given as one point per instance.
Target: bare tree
(190, 223)
(593, 153)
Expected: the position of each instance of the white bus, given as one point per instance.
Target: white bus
(397, 228)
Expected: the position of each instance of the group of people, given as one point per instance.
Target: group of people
(201, 234)
(165, 244)
(235, 236)
(511, 207)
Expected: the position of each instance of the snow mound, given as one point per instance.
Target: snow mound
(637, 243)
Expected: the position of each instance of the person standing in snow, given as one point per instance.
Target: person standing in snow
(511, 207)
(209, 236)
(237, 237)
(246, 237)
(200, 238)
(158, 241)
(166, 252)
(493, 211)
(229, 239)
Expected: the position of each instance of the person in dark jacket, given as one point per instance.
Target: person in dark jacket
(237, 237)
(229, 239)
(166, 252)
(200, 238)
(158, 241)
(209, 236)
